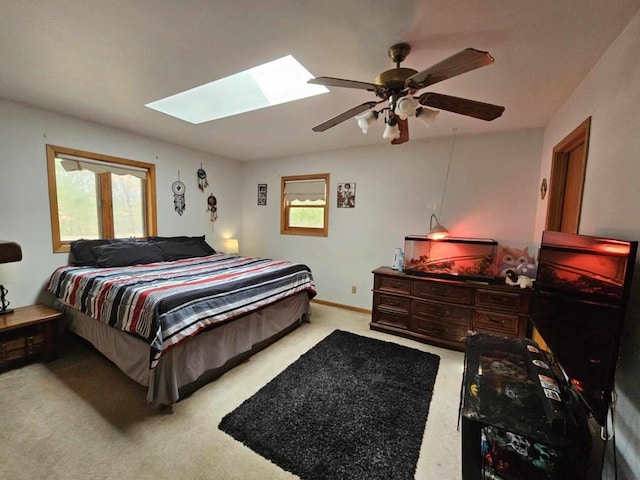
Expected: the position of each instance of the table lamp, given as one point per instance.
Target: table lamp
(9, 252)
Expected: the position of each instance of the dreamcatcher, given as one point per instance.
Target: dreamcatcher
(202, 179)
(212, 206)
(178, 189)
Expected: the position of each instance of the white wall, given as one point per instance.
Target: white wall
(24, 200)
(491, 193)
(610, 94)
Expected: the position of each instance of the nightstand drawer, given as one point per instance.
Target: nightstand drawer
(21, 346)
(496, 323)
(498, 299)
(443, 292)
(442, 312)
(393, 284)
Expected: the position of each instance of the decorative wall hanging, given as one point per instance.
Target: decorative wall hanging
(346, 195)
(202, 179)
(262, 194)
(212, 206)
(178, 195)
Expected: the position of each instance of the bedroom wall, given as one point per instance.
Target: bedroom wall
(610, 95)
(24, 201)
(491, 193)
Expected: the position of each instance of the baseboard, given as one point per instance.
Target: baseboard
(340, 305)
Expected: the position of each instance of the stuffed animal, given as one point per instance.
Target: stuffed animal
(514, 279)
(510, 258)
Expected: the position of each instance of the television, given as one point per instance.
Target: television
(578, 306)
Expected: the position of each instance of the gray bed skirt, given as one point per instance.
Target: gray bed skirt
(198, 359)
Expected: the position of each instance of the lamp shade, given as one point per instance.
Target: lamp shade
(437, 231)
(366, 119)
(231, 245)
(406, 107)
(10, 252)
(391, 131)
(426, 115)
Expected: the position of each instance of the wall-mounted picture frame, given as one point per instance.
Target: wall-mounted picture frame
(262, 194)
(346, 195)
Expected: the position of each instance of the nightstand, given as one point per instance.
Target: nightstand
(27, 332)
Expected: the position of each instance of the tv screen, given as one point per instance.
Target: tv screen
(578, 306)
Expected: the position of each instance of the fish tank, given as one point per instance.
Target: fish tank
(461, 258)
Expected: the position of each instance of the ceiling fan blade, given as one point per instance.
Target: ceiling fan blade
(332, 122)
(339, 82)
(403, 126)
(457, 64)
(463, 106)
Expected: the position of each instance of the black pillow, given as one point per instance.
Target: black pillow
(127, 253)
(181, 239)
(182, 249)
(82, 251)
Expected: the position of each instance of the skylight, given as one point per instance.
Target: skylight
(280, 81)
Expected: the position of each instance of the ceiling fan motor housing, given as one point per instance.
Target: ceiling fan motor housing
(394, 79)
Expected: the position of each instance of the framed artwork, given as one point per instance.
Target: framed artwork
(262, 194)
(346, 195)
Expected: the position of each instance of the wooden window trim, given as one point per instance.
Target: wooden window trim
(285, 229)
(151, 216)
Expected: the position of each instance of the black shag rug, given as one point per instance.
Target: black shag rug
(352, 407)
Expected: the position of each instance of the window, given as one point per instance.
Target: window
(98, 196)
(305, 208)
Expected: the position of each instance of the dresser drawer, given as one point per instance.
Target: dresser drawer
(391, 318)
(514, 302)
(440, 330)
(392, 302)
(441, 312)
(496, 323)
(393, 284)
(443, 292)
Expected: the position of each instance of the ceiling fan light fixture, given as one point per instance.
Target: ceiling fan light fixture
(391, 131)
(426, 115)
(366, 119)
(406, 107)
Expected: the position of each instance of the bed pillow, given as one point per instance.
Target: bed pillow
(182, 249)
(123, 254)
(184, 239)
(82, 251)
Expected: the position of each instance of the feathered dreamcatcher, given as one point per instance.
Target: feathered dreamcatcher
(202, 179)
(212, 206)
(178, 189)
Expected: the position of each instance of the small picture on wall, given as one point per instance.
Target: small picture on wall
(262, 194)
(346, 195)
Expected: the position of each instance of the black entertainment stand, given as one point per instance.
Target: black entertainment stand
(520, 420)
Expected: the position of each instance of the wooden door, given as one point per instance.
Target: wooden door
(566, 184)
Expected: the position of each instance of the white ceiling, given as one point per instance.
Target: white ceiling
(103, 60)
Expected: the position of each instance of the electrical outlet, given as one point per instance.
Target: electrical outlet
(353, 289)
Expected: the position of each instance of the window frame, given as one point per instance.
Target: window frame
(285, 229)
(104, 184)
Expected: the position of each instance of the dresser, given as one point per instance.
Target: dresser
(442, 311)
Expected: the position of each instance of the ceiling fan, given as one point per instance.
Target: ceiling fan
(398, 87)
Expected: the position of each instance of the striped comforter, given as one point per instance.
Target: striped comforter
(165, 303)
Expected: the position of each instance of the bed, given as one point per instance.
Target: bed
(172, 313)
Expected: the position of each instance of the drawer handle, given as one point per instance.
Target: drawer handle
(442, 312)
(494, 320)
(497, 299)
(397, 285)
(394, 302)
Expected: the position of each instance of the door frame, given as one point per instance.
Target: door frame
(558, 175)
